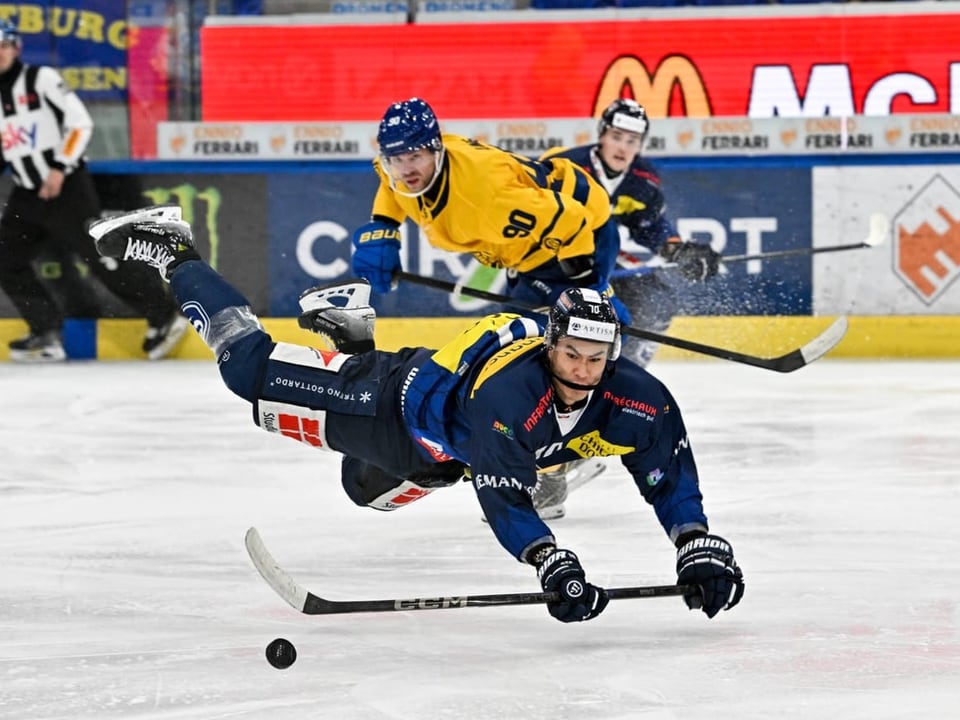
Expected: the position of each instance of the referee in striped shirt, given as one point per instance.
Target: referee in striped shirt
(44, 130)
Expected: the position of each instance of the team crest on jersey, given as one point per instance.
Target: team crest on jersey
(927, 240)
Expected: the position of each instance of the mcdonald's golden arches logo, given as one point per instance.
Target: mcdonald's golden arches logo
(656, 90)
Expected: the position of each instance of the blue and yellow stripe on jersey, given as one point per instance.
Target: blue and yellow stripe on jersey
(502, 359)
(431, 394)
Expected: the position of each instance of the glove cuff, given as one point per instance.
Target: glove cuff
(670, 248)
(688, 536)
(578, 267)
(557, 564)
(537, 554)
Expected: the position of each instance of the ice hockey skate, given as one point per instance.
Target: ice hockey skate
(38, 348)
(341, 314)
(161, 340)
(555, 483)
(154, 235)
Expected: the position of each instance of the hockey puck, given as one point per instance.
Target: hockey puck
(281, 653)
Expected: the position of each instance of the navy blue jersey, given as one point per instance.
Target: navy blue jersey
(636, 199)
(487, 399)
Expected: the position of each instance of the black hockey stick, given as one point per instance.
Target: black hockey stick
(309, 604)
(879, 226)
(793, 360)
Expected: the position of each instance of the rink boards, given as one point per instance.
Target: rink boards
(878, 337)
(275, 229)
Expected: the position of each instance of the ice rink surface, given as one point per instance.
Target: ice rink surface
(126, 592)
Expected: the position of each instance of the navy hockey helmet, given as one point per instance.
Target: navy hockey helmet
(10, 33)
(624, 114)
(408, 126)
(586, 314)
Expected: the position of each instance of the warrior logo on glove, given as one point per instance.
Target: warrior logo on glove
(707, 561)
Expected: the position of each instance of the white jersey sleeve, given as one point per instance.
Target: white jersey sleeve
(76, 125)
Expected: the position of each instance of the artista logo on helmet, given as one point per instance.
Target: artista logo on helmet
(592, 330)
(629, 123)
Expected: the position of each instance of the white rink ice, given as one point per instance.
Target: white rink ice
(125, 590)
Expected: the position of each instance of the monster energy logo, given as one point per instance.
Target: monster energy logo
(192, 200)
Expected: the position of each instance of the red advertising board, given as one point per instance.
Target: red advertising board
(759, 66)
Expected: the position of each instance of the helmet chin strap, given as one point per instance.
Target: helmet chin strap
(572, 385)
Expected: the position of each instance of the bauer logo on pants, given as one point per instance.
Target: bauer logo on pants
(927, 240)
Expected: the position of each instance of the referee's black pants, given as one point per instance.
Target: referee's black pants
(29, 224)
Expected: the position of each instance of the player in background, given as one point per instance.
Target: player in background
(46, 132)
(616, 162)
(547, 223)
(501, 399)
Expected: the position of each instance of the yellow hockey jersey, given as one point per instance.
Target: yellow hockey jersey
(504, 209)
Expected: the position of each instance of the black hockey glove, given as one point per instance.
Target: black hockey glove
(560, 572)
(707, 561)
(697, 262)
(578, 268)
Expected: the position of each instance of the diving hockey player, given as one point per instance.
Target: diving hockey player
(501, 399)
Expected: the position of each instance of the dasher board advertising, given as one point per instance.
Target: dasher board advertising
(849, 60)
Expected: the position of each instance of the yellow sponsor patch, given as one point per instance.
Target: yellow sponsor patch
(592, 445)
(626, 205)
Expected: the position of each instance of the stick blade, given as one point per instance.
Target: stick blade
(879, 227)
(277, 578)
(813, 350)
(825, 341)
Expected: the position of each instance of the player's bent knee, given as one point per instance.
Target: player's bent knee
(369, 486)
(241, 364)
(399, 496)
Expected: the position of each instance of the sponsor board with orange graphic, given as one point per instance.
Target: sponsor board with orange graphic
(916, 272)
(685, 137)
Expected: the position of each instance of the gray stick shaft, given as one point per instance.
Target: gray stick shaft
(792, 252)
